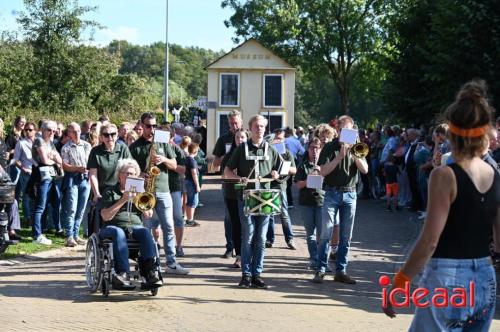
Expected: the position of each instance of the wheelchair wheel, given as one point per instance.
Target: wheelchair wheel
(93, 264)
(154, 291)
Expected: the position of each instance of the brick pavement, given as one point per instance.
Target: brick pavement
(47, 292)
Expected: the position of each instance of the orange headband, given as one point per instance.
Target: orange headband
(472, 132)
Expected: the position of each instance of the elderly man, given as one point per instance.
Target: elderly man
(222, 147)
(76, 186)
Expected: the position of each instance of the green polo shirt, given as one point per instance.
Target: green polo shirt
(287, 156)
(140, 152)
(105, 162)
(346, 172)
(238, 161)
(174, 178)
(308, 196)
(110, 196)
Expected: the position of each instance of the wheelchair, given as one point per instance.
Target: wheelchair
(99, 265)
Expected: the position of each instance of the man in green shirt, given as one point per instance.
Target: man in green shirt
(340, 169)
(253, 247)
(165, 161)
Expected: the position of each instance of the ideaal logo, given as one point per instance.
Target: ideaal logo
(441, 298)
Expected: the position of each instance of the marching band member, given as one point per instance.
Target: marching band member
(253, 247)
(340, 170)
(164, 160)
(222, 148)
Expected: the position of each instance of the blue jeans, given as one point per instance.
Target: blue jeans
(286, 223)
(192, 195)
(343, 204)
(164, 212)
(228, 229)
(120, 247)
(26, 199)
(253, 242)
(453, 273)
(312, 223)
(177, 209)
(44, 189)
(75, 201)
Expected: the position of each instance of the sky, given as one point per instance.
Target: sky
(191, 22)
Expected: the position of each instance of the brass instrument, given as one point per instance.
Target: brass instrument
(315, 171)
(360, 150)
(146, 201)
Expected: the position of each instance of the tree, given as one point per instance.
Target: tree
(318, 35)
(438, 46)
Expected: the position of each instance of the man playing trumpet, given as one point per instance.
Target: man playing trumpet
(339, 167)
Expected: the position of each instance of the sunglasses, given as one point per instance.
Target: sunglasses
(150, 126)
(29, 129)
(108, 135)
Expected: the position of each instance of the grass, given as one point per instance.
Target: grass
(27, 247)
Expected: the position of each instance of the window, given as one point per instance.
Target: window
(222, 123)
(229, 90)
(274, 120)
(273, 90)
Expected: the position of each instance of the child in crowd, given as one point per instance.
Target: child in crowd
(391, 172)
(192, 184)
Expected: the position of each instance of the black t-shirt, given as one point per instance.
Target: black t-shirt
(391, 173)
(308, 196)
(220, 145)
(190, 165)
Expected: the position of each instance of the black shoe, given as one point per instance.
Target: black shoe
(15, 237)
(122, 282)
(245, 281)
(389, 208)
(228, 253)
(318, 277)
(342, 277)
(192, 223)
(60, 234)
(269, 244)
(291, 245)
(257, 282)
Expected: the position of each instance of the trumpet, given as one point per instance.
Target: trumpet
(360, 150)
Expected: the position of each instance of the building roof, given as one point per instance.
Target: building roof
(255, 55)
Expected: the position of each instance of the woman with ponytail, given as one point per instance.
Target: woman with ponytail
(453, 248)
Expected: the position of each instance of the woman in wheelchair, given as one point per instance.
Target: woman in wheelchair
(118, 223)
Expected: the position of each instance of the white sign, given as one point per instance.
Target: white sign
(201, 103)
(314, 182)
(134, 184)
(228, 147)
(162, 136)
(348, 136)
(285, 167)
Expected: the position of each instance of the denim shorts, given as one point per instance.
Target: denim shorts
(192, 195)
(451, 274)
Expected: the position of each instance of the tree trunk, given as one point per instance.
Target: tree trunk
(344, 98)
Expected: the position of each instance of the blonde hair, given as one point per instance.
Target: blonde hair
(256, 118)
(186, 140)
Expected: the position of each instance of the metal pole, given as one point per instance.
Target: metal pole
(165, 83)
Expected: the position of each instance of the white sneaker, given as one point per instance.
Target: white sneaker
(177, 269)
(41, 239)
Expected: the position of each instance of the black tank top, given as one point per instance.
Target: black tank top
(468, 230)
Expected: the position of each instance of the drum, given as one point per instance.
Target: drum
(261, 202)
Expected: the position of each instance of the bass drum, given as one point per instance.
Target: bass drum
(261, 202)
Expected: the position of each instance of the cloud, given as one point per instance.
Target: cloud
(104, 36)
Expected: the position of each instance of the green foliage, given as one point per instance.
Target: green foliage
(438, 46)
(318, 35)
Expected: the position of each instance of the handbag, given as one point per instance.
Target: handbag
(50, 172)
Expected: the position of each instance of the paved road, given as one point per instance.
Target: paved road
(47, 292)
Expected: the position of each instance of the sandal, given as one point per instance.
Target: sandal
(237, 263)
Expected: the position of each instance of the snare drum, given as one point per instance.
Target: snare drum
(261, 202)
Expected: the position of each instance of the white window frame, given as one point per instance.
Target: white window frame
(217, 124)
(264, 90)
(220, 89)
(283, 115)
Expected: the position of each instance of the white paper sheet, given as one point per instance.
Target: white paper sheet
(285, 167)
(228, 147)
(314, 182)
(138, 183)
(348, 136)
(280, 147)
(162, 136)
